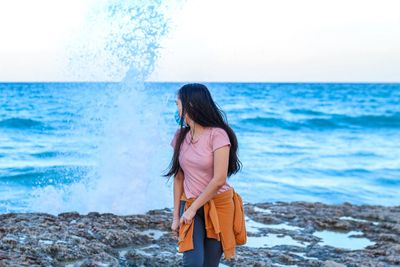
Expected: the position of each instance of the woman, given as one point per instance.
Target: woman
(205, 154)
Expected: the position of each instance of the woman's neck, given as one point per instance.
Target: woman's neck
(197, 129)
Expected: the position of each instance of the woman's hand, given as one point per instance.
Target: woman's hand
(175, 227)
(187, 216)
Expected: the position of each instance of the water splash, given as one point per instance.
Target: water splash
(121, 41)
(118, 36)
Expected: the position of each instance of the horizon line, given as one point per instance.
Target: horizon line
(282, 82)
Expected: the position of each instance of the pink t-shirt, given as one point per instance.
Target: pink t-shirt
(197, 159)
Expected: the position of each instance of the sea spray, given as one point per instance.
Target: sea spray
(121, 41)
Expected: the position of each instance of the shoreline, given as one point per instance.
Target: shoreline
(297, 233)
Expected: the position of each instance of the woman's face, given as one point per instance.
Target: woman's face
(179, 106)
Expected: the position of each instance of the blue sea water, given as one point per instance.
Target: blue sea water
(327, 142)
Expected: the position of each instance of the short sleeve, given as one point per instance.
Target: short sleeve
(219, 139)
(173, 141)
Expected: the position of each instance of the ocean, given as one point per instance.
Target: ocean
(102, 147)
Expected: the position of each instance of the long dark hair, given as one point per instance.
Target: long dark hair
(201, 108)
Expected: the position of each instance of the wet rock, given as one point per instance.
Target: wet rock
(279, 234)
(333, 264)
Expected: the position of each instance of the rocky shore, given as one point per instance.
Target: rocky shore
(279, 234)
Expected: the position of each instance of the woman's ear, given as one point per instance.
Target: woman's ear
(187, 119)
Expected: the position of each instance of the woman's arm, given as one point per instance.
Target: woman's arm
(221, 161)
(178, 190)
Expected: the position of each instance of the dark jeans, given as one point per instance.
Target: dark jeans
(207, 252)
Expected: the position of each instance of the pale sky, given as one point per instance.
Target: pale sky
(223, 40)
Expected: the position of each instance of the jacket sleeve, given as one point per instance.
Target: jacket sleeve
(239, 226)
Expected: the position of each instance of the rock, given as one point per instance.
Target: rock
(10, 241)
(330, 263)
(287, 229)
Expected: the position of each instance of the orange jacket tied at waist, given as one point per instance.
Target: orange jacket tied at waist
(224, 221)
